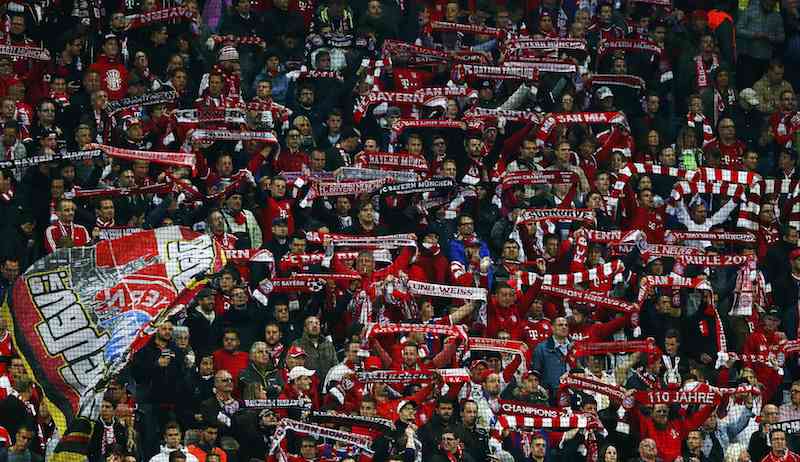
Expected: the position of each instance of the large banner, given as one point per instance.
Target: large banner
(78, 311)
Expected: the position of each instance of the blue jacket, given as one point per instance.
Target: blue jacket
(551, 363)
(458, 253)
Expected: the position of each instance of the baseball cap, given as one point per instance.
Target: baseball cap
(773, 313)
(279, 221)
(532, 373)
(403, 404)
(299, 371)
(296, 352)
(228, 53)
(750, 95)
(700, 14)
(130, 122)
(205, 292)
(373, 363)
(477, 363)
(393, 111)
(604, 92)
(794, 254)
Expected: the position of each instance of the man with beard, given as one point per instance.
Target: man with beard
(159, 371)
(669, 433)
(475, 439)
(443, 421)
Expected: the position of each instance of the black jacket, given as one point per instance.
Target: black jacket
(156, 384)
(204, 336)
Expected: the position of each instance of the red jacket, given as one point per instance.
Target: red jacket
(731, 153)
(508, 319)
(54, 233)
(651, 222)
(232, 362)
(113, 76)
(596, 331)
(287, 161)
(669, 440)
(788, 457)
(276, 208)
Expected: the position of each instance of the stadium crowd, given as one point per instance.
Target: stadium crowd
(487, 230)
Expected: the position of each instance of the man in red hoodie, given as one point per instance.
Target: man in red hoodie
(583, 328)
(113, 75)
(669, 433)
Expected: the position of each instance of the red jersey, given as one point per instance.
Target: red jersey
(288, 161)
(535, 331)
(670, 439)
(788, 457)
(54, 233)
(6, 351)
(113, 76)
(596, 331)
(731, 154)
(276, 208)
(232, 362)
(411, 79)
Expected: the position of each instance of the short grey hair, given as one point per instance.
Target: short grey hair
(257, 345)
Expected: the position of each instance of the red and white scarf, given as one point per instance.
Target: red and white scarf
(702, 74)
(178, 159)
(724, 236)
(596, 274)
(533, 215)
(674, 280)
(445, 291)
(442, 26)
(551, 121)
(227, 135)
(590, 297)
(543, 63)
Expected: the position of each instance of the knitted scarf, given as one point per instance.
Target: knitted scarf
(701, 74)
(147, 99)
(543, 63)
(166, 14)
(438, 185)
(551, 121)
(628, 46)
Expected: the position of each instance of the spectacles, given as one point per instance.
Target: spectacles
(226, 380)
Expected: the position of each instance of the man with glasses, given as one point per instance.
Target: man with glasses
(759, 445)
(46, 123)
(729, 146)
(291, 157)
(466, 233)
(791, 410)
(222, 406)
